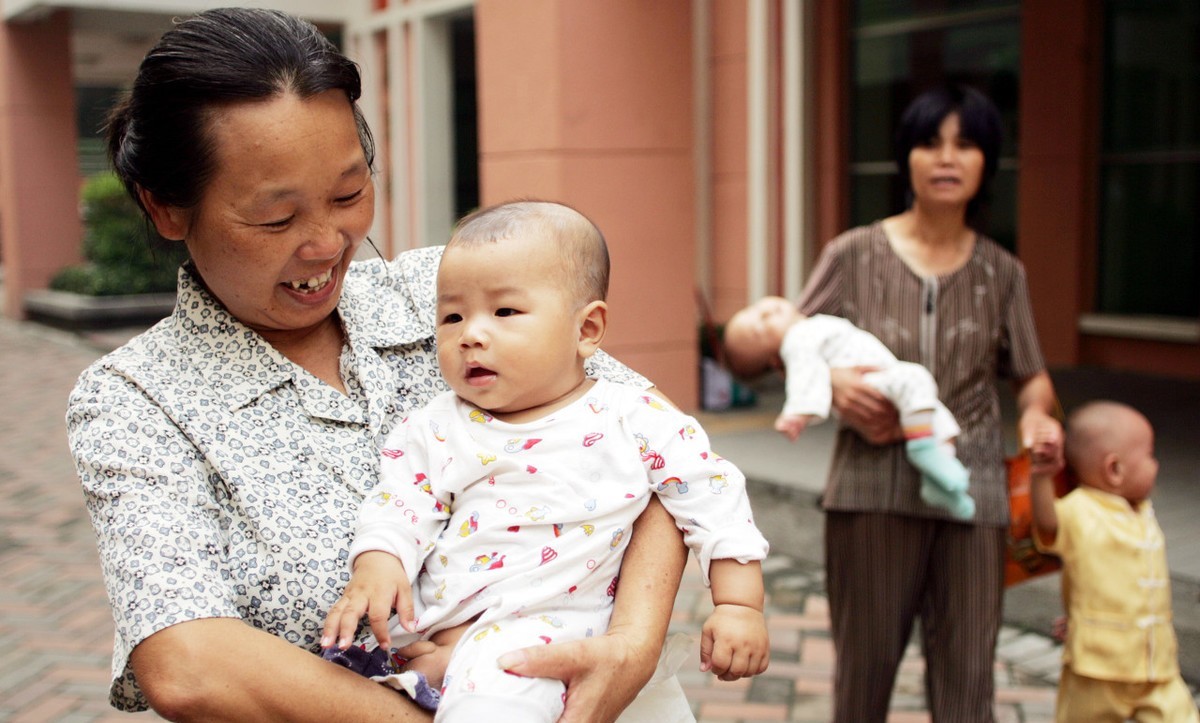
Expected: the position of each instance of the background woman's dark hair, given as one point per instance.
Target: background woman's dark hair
(979, 122)
(158, 133)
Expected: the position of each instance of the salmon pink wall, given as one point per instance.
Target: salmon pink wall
(39, 216)
(589, 102)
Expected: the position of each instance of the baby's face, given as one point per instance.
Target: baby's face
(758, 330)
(508, 332)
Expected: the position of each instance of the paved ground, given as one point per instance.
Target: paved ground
(55, 629)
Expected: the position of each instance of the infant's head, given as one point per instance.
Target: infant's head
(1110, 446)
(754, 334)
(520, 305)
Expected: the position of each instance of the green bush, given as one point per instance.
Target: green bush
(123, 254)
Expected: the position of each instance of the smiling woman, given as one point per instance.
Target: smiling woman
(224, 453)
(275, 231)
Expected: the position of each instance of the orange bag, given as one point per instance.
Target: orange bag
(1023, 560)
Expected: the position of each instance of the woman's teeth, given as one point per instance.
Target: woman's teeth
(315, 283)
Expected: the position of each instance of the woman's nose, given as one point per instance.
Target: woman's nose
(324, 241)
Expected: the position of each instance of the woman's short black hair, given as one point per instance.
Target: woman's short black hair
(158, 133)
(979, 122)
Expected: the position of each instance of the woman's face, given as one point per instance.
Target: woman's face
(290, 201)
(947, 169)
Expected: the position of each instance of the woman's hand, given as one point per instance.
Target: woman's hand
(1037, 428)
(603, 674)
(1042, 435)
(378, 584)
(863, 407)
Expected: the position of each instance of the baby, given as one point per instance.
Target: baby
(1120, 658)
(772, 333)
(509, 502)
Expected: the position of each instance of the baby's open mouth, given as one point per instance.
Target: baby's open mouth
(311, 284)
(475, 372)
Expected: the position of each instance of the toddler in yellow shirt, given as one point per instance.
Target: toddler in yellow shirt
(1120, 660)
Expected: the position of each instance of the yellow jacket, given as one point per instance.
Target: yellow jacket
(1115, 588)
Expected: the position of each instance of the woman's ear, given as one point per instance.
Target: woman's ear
(593, 322)
(170, 221)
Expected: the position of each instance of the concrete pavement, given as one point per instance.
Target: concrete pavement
(55, 628)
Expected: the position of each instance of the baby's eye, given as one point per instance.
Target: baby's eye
(506, 312)
(451, 319)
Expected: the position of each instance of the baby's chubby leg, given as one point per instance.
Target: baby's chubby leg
(477, 689)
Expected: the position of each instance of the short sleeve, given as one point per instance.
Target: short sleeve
(161, 547)
(1020, 353)
(823, 294)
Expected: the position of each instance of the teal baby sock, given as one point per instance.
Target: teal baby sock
(960, 505)
(944, 479)
(934, 462)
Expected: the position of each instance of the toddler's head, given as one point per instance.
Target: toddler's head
(1110, 446)
(520, 304)
(754, 334)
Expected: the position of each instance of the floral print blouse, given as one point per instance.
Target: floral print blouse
(223, 480)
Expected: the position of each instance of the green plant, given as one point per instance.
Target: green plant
(123, 254)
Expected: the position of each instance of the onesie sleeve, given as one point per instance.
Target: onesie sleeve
(806, 373)
(704, 492)
(403, 514)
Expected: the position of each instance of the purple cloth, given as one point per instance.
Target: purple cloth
(378, 663)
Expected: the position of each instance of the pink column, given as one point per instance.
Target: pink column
(589, 102)
(40, 229)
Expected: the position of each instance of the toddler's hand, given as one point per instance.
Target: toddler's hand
(377, 585)
(791, 425)
(734, 642)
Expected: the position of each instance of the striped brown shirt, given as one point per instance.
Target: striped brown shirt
(970, 328)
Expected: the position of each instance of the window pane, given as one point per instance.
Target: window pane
(1152, 76)
(1149, 245)
(891, 69)
(1149, 263)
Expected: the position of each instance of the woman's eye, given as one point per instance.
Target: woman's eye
(506, 312)
(350, 198)
(281, 223)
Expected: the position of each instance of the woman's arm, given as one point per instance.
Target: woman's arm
(1040, 432)
(604, 674)
(224, 669)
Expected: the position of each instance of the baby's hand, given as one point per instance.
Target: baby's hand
(431, 657)
(377, 585)
(791, 425)
(734, 642)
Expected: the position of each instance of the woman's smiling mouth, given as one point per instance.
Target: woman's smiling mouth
(312, 284)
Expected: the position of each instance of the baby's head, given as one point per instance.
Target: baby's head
(1110, 446)
(754, 334)
(520, 304)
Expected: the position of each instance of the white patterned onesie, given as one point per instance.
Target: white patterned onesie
(525, 525)
(820, 342)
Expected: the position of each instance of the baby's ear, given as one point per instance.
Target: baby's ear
(1112, 470)
(593, 322)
